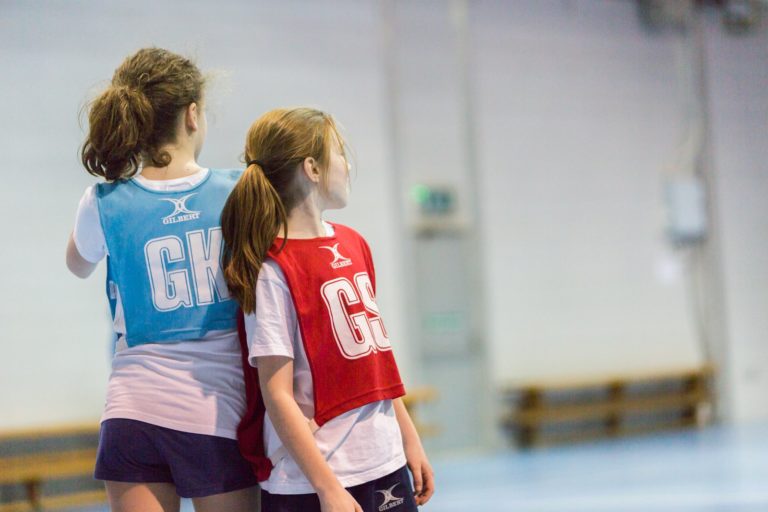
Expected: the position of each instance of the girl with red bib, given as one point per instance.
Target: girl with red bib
(325, 427)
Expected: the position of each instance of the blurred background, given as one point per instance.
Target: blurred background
(566, 202)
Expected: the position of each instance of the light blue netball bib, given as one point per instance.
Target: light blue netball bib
(164, 258)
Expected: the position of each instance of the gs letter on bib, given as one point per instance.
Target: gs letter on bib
(357, 334)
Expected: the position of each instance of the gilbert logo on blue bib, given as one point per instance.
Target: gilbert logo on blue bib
(180, 211)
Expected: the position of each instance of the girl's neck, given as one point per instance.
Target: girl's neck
(305, 221)
(183, 163)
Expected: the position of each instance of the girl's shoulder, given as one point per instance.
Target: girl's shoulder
(224, 179)
(211, 177)
(107, 186)
(350, 235)
(227, 173)
(270, 271)
(344, 230)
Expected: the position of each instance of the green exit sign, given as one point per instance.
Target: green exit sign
(434, 200)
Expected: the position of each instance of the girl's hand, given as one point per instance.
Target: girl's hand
(338, 500)
(423, 475)
(421, 469)
(276, 380)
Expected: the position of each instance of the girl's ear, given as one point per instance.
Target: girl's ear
(191, 114)
(311, 169)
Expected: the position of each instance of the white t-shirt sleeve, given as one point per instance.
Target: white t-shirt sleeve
(273, 326)
(88, 233)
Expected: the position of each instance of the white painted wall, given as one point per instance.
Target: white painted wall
(578, 113)
(738, 76)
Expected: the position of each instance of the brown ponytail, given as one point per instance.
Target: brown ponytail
(250, 221)
(137, 114)
(258, 207)
(119, 120)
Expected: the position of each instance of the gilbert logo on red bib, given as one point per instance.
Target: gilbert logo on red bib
(338, 260)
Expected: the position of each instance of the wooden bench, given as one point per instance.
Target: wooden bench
(551, 411)
(32, 458)
(412, 401)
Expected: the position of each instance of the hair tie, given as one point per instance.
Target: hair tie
(257, 162)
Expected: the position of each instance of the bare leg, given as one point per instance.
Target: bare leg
(244, 500)
(135, 497)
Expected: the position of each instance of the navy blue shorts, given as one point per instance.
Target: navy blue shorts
(393, 492)
(198, 465)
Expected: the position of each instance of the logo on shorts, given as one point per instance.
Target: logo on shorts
(390, 500)
(338, 260)
(180, 211)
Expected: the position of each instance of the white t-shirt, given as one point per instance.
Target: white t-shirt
(360, 445)
(192, 386)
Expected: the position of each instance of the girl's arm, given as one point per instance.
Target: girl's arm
(76, 264)
(423, 476)
(90, 236)
(276, 380)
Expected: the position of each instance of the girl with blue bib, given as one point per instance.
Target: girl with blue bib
(176, 390)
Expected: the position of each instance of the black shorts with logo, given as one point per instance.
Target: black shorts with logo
(390, 493)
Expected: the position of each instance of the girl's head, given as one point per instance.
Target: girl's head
(291, 154)
(296, 149)
(154, 95)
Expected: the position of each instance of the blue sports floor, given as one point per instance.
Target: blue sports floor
(712, 470)
(717, 469)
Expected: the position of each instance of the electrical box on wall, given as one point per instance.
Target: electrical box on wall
(686, 210)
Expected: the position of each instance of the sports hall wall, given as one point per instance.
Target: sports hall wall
(576, 137)
(577, 112)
